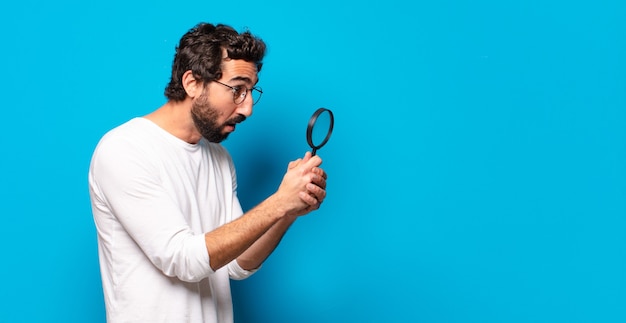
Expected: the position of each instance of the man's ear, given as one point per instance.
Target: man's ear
(192, 86)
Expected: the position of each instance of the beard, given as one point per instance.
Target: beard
(205, 118)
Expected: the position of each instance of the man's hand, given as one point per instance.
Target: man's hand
(303, 188)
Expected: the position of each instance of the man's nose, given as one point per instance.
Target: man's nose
(245, 107)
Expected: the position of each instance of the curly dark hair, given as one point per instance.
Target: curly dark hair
(200, 50)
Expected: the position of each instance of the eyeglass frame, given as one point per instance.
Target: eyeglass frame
(244, 94)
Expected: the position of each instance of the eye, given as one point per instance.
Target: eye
(239, 91)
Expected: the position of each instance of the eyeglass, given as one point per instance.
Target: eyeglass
(240, 93)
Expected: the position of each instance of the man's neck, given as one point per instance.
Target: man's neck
(175, 118)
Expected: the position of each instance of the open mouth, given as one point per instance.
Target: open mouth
(232, 124)
(230, 127)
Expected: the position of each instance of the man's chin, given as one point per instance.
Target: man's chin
(216, 138)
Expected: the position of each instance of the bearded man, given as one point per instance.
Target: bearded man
(171, 231)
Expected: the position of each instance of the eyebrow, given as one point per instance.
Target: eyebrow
(245, 79)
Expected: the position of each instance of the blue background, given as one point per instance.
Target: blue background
(477, 168)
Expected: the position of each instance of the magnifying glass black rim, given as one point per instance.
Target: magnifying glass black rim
(309, 130)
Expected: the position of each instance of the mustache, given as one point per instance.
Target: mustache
(238, 119)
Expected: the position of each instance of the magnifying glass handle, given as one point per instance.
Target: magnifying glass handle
(314, 151)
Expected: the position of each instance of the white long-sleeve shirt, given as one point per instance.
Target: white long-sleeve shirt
(153, 197)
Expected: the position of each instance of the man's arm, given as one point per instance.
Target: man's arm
(254, 256)
(251, 238)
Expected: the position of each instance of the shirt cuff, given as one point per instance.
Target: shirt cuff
(237, 273)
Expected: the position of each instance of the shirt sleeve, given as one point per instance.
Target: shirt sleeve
(127, 186)
(234, 270)
(237, 273)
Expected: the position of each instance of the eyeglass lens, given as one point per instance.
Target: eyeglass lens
(241, 93)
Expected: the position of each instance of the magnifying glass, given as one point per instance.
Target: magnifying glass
(320, 128)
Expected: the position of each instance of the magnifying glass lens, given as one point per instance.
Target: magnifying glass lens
(320, 128)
